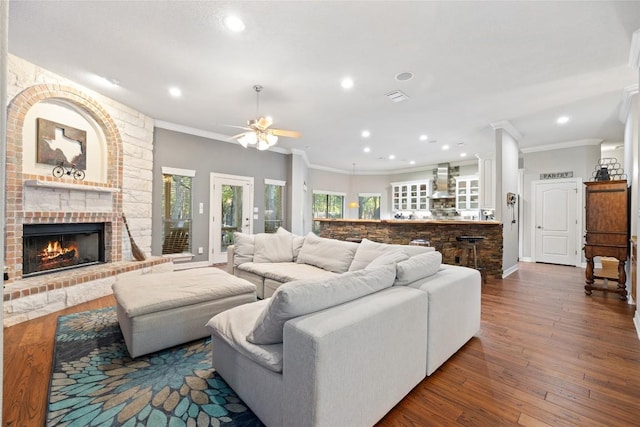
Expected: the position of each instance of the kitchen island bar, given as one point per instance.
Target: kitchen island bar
(440, 233)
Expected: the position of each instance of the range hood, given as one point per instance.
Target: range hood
(442, 183)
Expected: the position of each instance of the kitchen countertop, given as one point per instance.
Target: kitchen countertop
(412, 221)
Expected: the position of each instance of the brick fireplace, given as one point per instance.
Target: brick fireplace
(38, 202)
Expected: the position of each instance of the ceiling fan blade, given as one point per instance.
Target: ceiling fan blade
(264, 122)
(240, 134)
(288, 133)
(237, 127)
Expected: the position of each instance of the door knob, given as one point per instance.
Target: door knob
(539, 226)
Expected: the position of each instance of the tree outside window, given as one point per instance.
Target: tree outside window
(176, 213)
(274, 205)
(327, 205)
(369, 206)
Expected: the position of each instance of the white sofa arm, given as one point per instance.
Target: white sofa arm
(454, 311)
(369, 352)
(231, 253)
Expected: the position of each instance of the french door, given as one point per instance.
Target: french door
(231, 207)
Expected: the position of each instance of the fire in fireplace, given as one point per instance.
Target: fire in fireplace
(53, 247)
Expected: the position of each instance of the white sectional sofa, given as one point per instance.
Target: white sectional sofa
(344, 345)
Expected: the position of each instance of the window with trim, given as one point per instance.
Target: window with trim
(369, 205)
(177, 213)
(327, 204)
(274, 205)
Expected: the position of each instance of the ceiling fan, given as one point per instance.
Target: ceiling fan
(259, 131)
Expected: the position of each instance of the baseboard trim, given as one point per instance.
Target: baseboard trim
(526, 259)
(509, 271)
(636, 321)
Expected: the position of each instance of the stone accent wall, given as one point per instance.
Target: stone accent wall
(39, 199)
(441, 234)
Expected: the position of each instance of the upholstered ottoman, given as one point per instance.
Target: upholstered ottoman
(161, 310)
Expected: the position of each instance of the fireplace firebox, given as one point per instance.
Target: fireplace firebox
(54, 247)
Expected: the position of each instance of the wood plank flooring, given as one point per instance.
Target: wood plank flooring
(546, 355)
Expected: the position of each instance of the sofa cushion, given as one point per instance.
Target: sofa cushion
(272, 247)
(390, 257)
(417, 267)
(234, 324)
(302, 297)
(296, 241)
(369, 250)
(243, 248)
(329, 254)
(286, 271)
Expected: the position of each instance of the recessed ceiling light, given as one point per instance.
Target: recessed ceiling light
(404, 76)
(175, 92)
(424, 137)
(562, 120)
(347, 83)
(233, 23)
(391, 157)
(445, 147)
(366, 149)
(366, 134)
(412, 162)
(463, 154)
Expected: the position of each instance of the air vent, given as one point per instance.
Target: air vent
(397, 96)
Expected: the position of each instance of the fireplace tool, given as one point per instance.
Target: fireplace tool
(135, 250)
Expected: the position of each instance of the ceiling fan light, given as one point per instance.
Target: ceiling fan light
(248, 138)
(271, 139)
(263, 145)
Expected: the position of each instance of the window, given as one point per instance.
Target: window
(273, 205)
(176, 210)
(369, 206)
(327, 205)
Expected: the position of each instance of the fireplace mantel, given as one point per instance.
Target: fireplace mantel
(68, 186)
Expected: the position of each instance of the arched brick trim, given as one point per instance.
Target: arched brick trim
(16, 217)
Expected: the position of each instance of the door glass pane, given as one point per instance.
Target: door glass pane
(274, 207)
(231, 213)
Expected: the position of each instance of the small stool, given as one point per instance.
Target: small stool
(471, 241)
(420, 242)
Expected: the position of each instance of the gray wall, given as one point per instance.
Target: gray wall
(179, 150)
(507, 181)
(351, 184)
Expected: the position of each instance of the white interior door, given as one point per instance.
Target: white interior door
(555, 222)
(232, 210)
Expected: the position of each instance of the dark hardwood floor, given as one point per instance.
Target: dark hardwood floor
(546, 354)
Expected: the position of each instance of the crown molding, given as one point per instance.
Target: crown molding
(561, 145)
(634, 52)
(207, 134)
(627, 99)
(507, 126)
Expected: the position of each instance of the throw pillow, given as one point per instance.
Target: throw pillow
(273, 247)
(417, 267)
(389, 257)
(328, 254)
(296, 241)
(302, 297)
(243, 246)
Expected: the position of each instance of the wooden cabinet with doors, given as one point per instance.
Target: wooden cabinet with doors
(607, 230)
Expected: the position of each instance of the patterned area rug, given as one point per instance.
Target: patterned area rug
(95, 382)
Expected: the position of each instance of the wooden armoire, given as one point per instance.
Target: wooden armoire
(607, 229)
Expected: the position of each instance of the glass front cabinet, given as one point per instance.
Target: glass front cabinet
(410, 196)
(468, 195)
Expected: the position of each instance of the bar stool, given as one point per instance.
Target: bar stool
(470, 242)
(420, 242)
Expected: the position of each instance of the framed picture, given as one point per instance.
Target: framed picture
(61, 145)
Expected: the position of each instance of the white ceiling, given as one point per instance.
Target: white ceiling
(474, 63)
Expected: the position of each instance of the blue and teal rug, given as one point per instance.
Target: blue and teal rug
(95, 383)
